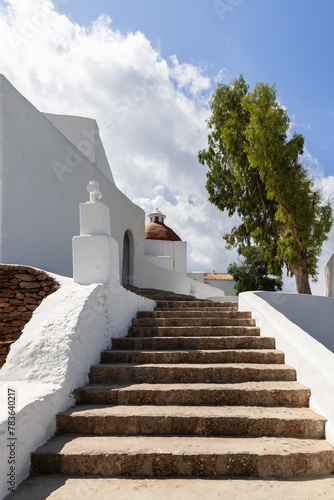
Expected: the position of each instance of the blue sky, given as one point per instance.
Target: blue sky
(145, 71)
(286, 42)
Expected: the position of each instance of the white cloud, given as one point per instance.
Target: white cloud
(150, 112)
(189, 77)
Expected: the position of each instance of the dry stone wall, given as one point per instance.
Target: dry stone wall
(22, 289)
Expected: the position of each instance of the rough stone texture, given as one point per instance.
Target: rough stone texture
(196, 331)
(287, 394)
(195, 356)
(151, 456)
(200, 305)
(192, 322)
(189, 373)
(191, 421)
(172, 343)
(195, 313)
(195, 401)
(22, 289)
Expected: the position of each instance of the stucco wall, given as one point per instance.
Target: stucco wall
(311, 313)
(44, 178)
(197, 276)
(299, 324)
(170, 255)
(163, 261)
(84, 134)
(151, 276)
(225, 285)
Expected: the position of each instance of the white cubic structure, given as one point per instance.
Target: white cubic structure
(95, 252)
(163, 247)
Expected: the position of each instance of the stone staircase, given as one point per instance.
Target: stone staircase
(192, 391)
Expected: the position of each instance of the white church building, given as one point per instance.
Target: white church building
(46, 162)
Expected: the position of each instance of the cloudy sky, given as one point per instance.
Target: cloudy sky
(145, 69)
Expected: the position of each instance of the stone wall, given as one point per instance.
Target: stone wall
(22, 289)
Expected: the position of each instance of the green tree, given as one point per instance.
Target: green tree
(251, 273)
(255, 170)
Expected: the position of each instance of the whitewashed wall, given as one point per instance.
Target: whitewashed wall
(84, 134)
(44, 178)
(197, 276)
(225, 285)
(171, 255)
(151, 276)
(53, 356)
(302, 326)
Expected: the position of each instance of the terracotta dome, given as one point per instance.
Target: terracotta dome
(157, 229)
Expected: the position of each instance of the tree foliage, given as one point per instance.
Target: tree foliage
(255, 170)
(252, 273)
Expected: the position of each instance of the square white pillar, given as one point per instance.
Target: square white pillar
(95, 252)
(94, 218)
(95, 259)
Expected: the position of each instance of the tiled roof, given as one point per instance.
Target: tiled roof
(218, 276)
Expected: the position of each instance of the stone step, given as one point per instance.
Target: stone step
(191, 421)
(207, 310)
(155, 294)
(163, 456)
(269, 356)
(181, 322)
(189, 373)
(162, 343)
(200, 313)
(196, 331)
(170, 304)
(272, 393)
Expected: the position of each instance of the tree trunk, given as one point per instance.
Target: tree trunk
(302, 281)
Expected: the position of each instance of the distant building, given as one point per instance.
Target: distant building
(223, 281)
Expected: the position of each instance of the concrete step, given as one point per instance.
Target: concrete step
(218, 321)
(200, 313)
(189, 373)
(170, 304)
(191, 421)
(269, 356)
(163, 456)
(196, 331)
(167, 343)
(273, 393)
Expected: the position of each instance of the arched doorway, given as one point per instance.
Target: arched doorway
(127, 267)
